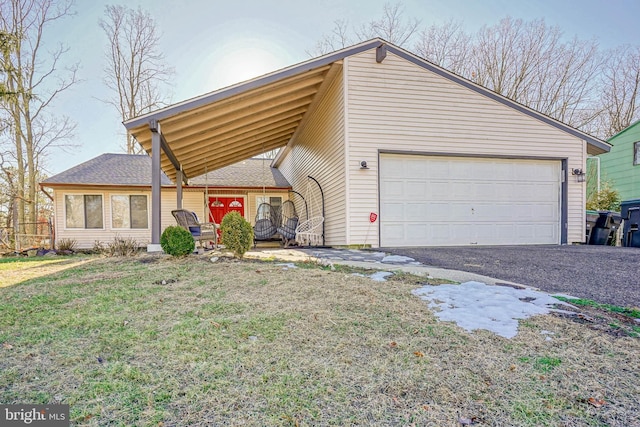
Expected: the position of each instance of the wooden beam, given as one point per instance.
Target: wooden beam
(235, 148)
(238, 136)
(264, 101)
(212, 128)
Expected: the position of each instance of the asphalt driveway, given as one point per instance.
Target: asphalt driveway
(604, 274)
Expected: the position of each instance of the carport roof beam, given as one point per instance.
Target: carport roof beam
(154, 125)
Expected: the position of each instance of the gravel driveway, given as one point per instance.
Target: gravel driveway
(602, 273)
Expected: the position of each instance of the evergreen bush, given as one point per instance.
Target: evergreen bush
(237, 233)
(177, 241)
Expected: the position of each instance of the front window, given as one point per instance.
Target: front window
(129, 211)
(83, 211)
(636, 153)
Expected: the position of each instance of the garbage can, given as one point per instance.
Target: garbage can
(630, 213)
(606, 227)
(592, 217)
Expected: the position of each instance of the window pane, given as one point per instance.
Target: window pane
(120, 211)
(276, 202)
(139, 214)
(636, 157)
(276, 206)
(74, 207)
(93, 211)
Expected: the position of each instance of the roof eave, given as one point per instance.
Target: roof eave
(242, 87)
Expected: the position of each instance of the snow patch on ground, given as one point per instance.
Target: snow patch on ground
(475, 305)
(397, 258)
(380, 276)
(287, 265)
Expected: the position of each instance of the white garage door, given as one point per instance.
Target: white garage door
(447, 201)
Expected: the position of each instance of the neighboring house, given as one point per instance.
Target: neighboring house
(448, 162)
(621, 165)
(110, 196)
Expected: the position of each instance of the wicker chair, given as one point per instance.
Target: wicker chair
(288, 223)
(309, 232)
(201, 231)
(266, 223)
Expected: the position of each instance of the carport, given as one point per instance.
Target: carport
(226, 126)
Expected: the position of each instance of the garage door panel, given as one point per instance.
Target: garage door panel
(415, 189)
(438, 212)
(393, 189)
(462, 201)
(438, 169)
(416, 212)
(393, 211)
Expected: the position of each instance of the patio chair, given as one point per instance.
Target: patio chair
(266, 223)
(288, 231)
(289, 223)
(201, 231)
(309, 232)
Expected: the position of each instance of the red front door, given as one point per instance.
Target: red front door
(220, 206)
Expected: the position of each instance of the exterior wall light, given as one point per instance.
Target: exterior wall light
(579, 174)
(363, 165)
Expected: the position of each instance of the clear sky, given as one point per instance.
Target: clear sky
(215, 43)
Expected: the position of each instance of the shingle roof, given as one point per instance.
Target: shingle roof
(247, 173)
(135, 170)
(110, 169)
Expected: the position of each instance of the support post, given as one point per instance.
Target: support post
(156, 188)
(179, 189)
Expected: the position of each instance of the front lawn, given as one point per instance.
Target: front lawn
(157, 341)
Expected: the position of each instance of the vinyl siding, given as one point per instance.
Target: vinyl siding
(318, 151)
(617, 165)
(86, 238)
(399, 106)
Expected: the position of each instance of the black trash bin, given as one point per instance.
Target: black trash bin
(630, 213)
(606, 227)
(592, 217)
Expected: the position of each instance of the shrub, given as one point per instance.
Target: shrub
(122, 247)
(607, 199)
(177, 241)
(67, 245)
(98, 247)
(237, 233)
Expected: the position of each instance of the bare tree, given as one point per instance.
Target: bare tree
(620, 91)
(446, 45)
(135, 68)
(35, 78)
(529, 63)
(338, 38)
(392, 27)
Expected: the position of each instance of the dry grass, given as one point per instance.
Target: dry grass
(160, 341)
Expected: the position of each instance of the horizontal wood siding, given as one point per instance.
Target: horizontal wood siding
(400, 106)
(617, 165)
(86, 238)
(318, 151)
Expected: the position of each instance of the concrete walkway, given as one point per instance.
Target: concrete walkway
(369, 259)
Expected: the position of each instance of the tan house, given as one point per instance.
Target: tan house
(405, 153)
(110, 196)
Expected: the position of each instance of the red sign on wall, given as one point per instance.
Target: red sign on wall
(372, 217)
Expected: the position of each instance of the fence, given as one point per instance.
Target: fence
(43, 237)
